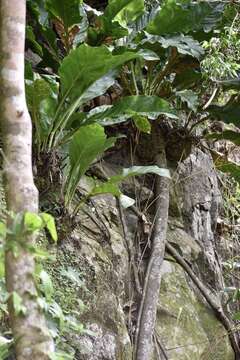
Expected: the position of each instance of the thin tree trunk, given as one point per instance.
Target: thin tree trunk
(32, 338)
(152, 281)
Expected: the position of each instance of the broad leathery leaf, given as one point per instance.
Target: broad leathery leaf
(68, 11)
(113, 182)
(226, 166)
(106, 188)
(229, 113)
(176, 17)
(229, 135)
(185, 45)
(142, 170)
(49, 223)
(141, 23)
(32, 222)
(30, 36)
(190, 97)
(230, 168)
(124, 11)
(81, 36)
(17, 302)
(100, 86)
(46, 285)
(87, 144)
(123, 109)
(42, 103)
(85, 65)
(148, 55)
(228, 84)
(187, 79)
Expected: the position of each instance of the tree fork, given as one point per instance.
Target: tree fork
(152, 281)
(32, 338)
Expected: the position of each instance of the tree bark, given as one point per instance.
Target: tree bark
(152, 281)
(32, 338)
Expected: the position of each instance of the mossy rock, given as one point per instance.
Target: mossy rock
(188, 329)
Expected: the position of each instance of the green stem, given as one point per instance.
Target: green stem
(134, 78)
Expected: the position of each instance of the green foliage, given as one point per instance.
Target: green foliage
(185, 45)
(67, 11)
(155, 56)
(142, 123)
(222, 61)
(49, 224)
(87, 143)
(123, 11)
(186, 17)
(189, 97)
(128, 107)
(5, 345)
(82, 80)
(230, 135)
(24, 224)
(111, 186)
(42, 96)
(228, 113)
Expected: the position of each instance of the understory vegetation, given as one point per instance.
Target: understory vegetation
(156, 78)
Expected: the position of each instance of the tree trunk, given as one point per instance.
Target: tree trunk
(152, 281)
(32, 338)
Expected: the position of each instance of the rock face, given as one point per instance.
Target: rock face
(201, 203)
(186, 327)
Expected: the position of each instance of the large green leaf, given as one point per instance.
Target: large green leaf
(42, 104)
(187, 79)
(230, 168)
(189, 97)
(184, 17)
(68, 11)
(85, 65)
(127, 107)
(111, 186)
(229, 135)
(229, 113)
(87, 144)
(113, 24)
(124, 11)
(225, 165)
(185, 45)
(230, 84)
(30, 37)
(85, 73)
